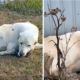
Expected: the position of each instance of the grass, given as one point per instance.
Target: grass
(12, 68)
(26, 68)
(25, 7)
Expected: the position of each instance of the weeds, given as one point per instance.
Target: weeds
(25, 7)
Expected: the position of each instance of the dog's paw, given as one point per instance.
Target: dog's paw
(2, 53)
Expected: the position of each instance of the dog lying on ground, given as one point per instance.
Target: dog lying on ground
(22, 36)
(72, 61)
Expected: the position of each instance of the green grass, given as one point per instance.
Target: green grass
(25, 7)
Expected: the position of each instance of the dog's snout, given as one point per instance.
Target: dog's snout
(20, 54)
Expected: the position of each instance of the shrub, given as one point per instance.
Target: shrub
(25, 7)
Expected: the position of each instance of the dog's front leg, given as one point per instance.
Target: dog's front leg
(53, 70)
(38, 46)
(7, 52)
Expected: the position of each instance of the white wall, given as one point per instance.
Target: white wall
(72, 14)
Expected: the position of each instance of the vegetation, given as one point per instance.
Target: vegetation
(25, 7)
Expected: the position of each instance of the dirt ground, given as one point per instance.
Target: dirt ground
(25, 68)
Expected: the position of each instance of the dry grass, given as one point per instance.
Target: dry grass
(26, 68)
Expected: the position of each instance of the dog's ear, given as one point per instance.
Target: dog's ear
(35, 43)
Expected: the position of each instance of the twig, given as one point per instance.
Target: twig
(62, 48)
(54, 21)
(67, 42)
(48, 7)
(61, 13)
(70, 37)
(52, 16)
(56, 17)
(73, 44)
(66, 45)
(60, 24)
(53, 41)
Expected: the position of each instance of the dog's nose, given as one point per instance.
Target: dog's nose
(20, 54)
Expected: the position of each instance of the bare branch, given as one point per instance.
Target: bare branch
(60, 24)
(58, 21)
(67, 42)
(52, 16)
(61, 13)
(48, 7)
(70, 37)
(73, 45)
(53, 41)
(54, 21)
(56, 17)
(73, 28)
(62, 48)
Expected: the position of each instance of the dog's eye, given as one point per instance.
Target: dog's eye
(28, 45)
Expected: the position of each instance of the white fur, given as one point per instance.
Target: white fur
(12, 35)
(73, 56)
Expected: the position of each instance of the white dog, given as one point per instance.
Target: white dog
(73, 55)
(22, 36)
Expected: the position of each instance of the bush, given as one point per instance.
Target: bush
(25, 7)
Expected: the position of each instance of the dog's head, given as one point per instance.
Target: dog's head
(27, 42)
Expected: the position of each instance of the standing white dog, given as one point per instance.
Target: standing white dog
(22, 36)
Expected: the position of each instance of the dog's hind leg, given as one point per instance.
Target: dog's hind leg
(38, 46)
